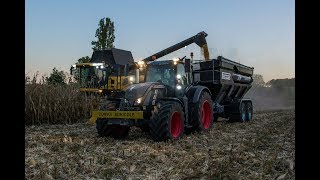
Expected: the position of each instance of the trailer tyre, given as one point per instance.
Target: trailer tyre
(241, 116)
(249, 112)
(105, 130)
(167, 121)
(203, 112)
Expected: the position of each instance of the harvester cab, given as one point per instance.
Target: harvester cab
(108, 71)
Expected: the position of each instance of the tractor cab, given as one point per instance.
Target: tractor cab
(171, 73)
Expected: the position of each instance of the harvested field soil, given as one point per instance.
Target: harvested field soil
(261, 149)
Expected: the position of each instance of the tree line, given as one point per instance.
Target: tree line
(258, 81)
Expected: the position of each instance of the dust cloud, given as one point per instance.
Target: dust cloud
(269, 98)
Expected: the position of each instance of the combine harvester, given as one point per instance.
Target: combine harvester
(109, 71)
(178, 96)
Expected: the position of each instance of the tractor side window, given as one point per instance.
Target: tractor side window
(181, 75)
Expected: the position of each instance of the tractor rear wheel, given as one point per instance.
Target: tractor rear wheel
(167, 121)
(105, 130)
(203, 113)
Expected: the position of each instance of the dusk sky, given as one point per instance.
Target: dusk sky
(260, 34)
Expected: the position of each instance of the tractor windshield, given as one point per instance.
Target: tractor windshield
(164, 73)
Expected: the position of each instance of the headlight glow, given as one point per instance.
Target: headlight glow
(175, 59)
(178, 76)
(141, 64)
(97, 64)
(138, 101)
(179, 87)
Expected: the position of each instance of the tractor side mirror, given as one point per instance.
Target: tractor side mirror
(187, 65)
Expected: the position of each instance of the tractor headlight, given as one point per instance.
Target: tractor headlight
(131, 78)
(141, 64)
(175, 61)
(137, 101)
(179, 87)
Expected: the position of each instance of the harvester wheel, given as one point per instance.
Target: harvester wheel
(241, 116)
(167, 121)
(249, 111)
(203, 113)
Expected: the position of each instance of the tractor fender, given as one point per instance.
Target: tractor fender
(195, 92)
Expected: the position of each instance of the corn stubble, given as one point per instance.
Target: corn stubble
(261, 149)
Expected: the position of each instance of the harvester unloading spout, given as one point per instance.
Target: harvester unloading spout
(199, 39)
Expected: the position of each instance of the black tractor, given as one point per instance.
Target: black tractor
(179, 96)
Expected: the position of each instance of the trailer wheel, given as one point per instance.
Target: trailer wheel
(249, 111)
(105, 130)
(203, 112)
(241, 116)
(167, 121)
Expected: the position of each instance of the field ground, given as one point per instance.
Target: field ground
(261, 149)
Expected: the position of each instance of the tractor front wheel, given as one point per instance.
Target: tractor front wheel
(167, 121)
(106, 130)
